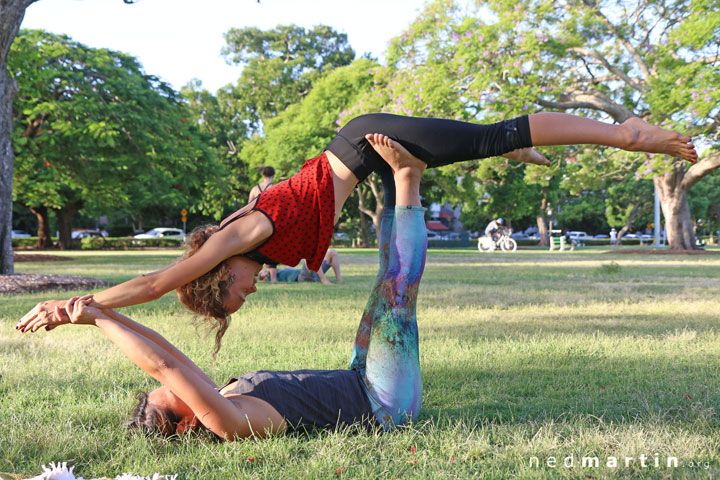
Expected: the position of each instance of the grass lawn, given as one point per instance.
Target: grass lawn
(526, 358)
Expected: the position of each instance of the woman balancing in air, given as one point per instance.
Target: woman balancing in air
(383, 384)
(294, 219)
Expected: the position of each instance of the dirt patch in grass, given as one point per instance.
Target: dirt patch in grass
(33, 283)
(661, 251)
(39, 257)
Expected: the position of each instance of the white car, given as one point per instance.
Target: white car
(162, 233)
(576, 235)
(19, 234)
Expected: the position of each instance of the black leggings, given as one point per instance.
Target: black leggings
(435, 141)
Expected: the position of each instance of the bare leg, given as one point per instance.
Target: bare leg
(407, 169)
(634, 135)
(333, 259)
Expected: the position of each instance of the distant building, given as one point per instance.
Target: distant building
(444, 219)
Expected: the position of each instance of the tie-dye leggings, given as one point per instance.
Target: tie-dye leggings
(386, 346)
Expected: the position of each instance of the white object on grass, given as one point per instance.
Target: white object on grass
(56, 472)
(61, 472)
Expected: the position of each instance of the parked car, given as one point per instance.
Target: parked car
(631, 235)
(519, 235)
(577, 235)
(434, 236)
(601, 236)
(19, 234)
(163, 233)
(80, 233)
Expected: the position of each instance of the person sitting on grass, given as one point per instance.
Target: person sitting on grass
(304, 274)
(382, 387)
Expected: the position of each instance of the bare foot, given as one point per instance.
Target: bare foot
(528, 155)
(649, 138)
(395, 154)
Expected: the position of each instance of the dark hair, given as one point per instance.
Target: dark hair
(151, 419)
(268, 172)
(205, 294)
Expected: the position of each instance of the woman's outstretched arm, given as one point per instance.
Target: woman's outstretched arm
(161, 342)
(240, 237)
(214, 411)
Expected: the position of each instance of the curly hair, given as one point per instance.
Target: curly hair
(151, 419)
(204, 295)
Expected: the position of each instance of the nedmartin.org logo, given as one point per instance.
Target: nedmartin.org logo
(590, 461)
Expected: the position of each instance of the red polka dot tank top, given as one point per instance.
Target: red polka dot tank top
(302, 211)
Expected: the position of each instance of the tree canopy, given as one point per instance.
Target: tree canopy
(93, 131)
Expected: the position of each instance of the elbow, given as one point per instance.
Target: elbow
(160, 367)
(152, 290)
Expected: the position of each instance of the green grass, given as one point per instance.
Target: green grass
(532, 354)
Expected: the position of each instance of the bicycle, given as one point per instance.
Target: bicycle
(504, 242)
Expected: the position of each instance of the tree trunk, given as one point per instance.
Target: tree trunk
(678, 222)
(628, 222)
(11, 15)
(676, 209)
(7, 91)
(376, 191)
(364, 234)
(64, 218)
(542, 224)
(43, 231)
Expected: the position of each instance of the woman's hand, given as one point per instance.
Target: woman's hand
(80, 311)
(45, 314)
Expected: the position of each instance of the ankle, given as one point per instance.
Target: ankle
(408, 178)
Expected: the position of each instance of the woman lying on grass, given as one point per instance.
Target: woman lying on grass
(382, 387)
(294, 219)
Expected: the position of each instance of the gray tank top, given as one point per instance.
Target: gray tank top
(310, 398)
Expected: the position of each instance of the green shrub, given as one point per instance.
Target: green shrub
(449, 244)
(92, 243)
(24, 242)
(128, 243)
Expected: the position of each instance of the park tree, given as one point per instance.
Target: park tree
(94, 132)
(215, 117)
(607, 59)
(12, 13)
(424, 77)
(279, 67)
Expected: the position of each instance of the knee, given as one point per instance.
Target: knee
(363, 124)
